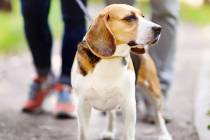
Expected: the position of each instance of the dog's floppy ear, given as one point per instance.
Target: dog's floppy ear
(100, 39)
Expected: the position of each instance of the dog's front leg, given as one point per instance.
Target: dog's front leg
(129, 114)
(109, 133)
(84, 111)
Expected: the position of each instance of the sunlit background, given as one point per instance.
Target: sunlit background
(11, 33)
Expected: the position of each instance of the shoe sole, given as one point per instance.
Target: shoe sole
(34, 111)
(64, 115)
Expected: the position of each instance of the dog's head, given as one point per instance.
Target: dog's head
(120, 28)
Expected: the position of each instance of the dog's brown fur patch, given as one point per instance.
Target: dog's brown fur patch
(86, 59)
(147, 72)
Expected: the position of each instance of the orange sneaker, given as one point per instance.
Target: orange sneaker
(38, 92)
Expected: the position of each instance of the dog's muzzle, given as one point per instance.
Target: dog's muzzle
(156, 34)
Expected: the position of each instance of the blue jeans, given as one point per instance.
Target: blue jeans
(35, 14)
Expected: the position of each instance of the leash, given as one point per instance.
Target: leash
(85, 10)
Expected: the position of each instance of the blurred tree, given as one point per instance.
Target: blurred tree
(5, 5)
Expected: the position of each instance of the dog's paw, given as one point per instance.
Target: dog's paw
(165, 137)
(107, 135)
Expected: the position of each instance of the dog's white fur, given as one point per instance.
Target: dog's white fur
(111, 85)
(145, 33)
(105, 89)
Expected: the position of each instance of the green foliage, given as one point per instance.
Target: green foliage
(55, 19)
(208, 113)
(12, 37)
(10, 30)
(195, 15)
(144, 6)
(95, 1)
(208, 126)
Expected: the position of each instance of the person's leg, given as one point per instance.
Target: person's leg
(74, 31)
(37, 31)
(165, 13)
(35, 14)
(130, 2)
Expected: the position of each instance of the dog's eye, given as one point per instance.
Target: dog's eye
(130, 18)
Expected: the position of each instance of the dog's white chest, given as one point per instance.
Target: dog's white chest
(107, 86)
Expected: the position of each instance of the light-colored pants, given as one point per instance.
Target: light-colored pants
(164, 13)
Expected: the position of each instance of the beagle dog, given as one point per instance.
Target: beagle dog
(103, 75)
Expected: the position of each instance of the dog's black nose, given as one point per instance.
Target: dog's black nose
(156, 30)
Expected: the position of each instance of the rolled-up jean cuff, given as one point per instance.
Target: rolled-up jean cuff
(41, 71)
(65, 79)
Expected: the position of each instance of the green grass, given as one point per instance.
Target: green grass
(208, 114)
(95, 1)
(193, 15)
(12, 38)
(196, 15)
(10, 30)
